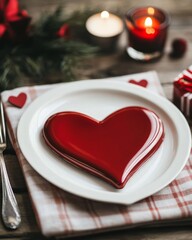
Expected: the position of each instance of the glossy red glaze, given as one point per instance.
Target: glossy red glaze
(113, 148)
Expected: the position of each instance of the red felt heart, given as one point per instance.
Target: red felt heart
(113, 148)
(142, 83)
(19, 100)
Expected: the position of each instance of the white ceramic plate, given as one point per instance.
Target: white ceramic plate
(98, 99)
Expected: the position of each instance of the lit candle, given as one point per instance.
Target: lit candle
(149, 26)
(147, 31)
(104, 26)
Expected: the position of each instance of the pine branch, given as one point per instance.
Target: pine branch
(43, 52)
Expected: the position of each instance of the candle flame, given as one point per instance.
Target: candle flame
(149, 26)
(104, 14)
(151, 11)
(148, 22)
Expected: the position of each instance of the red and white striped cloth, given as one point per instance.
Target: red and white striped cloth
(64, 214)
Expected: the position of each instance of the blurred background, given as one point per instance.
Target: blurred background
(174, 7)
(115, 64)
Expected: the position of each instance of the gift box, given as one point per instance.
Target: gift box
(182, 92)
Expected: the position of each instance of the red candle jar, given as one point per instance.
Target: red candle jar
(182, 93)
(147, 32)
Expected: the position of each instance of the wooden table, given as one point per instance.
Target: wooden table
(107, 65)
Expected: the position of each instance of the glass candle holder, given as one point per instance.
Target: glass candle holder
(147, 32)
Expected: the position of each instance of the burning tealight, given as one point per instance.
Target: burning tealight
(104, 28)
(147, 31)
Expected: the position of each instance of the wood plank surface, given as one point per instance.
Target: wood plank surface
(173, 7)
(107, 65)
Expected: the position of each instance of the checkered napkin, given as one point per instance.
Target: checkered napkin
(63, 214)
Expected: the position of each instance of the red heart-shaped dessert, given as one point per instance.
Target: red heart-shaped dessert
(19, 100)
(142, 83)
(113, 148)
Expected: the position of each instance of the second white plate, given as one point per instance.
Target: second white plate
(98, 99)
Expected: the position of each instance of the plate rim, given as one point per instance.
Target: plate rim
(165, 105)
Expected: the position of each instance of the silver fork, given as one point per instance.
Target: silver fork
(10, 211)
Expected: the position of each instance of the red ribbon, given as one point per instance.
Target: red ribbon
(184, 85)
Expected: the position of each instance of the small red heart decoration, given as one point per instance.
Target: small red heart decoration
(142, 83)
(18, 101)
(113, 148)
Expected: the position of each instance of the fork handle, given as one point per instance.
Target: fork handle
(10, 211)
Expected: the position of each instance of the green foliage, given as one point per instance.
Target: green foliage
(43, 52)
